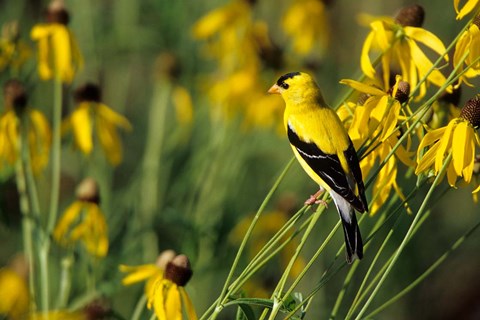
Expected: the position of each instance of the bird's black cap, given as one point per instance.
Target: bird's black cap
(281, 80)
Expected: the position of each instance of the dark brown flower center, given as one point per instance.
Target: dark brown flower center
(88, 92)
(412, 16)
(178, 270)
(14, 95)
(471, 111)
(88, 191)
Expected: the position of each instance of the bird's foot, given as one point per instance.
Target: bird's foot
(314, 199)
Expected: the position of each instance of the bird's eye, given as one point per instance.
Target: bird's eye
(284, 85)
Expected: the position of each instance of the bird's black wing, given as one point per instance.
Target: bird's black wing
(353, 163)
(328, 168)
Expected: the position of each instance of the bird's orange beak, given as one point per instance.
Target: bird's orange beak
(275, 89)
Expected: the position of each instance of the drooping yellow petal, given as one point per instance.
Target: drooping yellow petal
(428, 39)
(189, 308)
(362, 87)
(469, 160)
(183, 105)
(423, 65)
(173, 303)
(444, 145)
(159, 297)
(466, 9)
(459, 142)
(428, 159)
(109, 140)
(82, 127)
(138, 273)
(451, 175)
(112, 117)
(62, 52)
(365, 62)
(70, 215)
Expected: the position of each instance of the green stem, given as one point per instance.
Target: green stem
(223, 293)
(277, 294)
(139, 307)
(27, 225)
(427, 272)
(405, 240)
(65, 281)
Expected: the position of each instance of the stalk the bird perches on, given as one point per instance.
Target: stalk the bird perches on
(324, 149)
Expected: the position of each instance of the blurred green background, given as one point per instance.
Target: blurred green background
(185, 187)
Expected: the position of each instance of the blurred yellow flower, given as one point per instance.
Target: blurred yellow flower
(14, 296)
(306, 23)
(58, 51)
(150, 273)
(83, 221)
(169, 295)
(457, 139)
(90, 113)
(397, 43)
(13, 51)
(466, 9)
(469, 44)
(59, 315)
(239, 45)
(38, 129)
(183, 105)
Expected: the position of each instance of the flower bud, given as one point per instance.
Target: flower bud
(88, 191)
(14, 95)
(178, 270)
(471, 111)
(89, 92)
(411, 16)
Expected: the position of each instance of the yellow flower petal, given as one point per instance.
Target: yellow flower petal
(362, 87)
(173, 305)
(109, 140)
(82, 127)
(444, 145)
(466, 9)
(428, 39)
(365, 62)
(183, 105)
(428, 159)
(451, 175)
(459, 142)
(66, 221)
(138, 273)
(188, 305)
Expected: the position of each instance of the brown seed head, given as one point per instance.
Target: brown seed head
(56, 13)
(14, 95)
(178, 270)
(411, 16)
(167, 65)
(403, 91)
(471, 111)
(88, 191)
(89, 92)
(476, 21)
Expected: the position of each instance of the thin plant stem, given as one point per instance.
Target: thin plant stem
(405, 239)
(65, 281)
(223, 293)
(27, 225)
(139, 307)
(277, 294)
(427, 272)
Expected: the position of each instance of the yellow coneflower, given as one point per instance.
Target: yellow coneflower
(58, 51)
(373, 122)
(83, 221)
(169, 295)
(469, 44)
(91, 113)
(306, 23)
(457, 139)
(466, 9)
(150, 273)
(38, 130)
(397, 41)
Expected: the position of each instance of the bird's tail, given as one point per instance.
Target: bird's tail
(353, 239)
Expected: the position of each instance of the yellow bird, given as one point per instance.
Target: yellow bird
(322, 146)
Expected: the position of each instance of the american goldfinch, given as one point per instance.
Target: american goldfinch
(324, 149)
